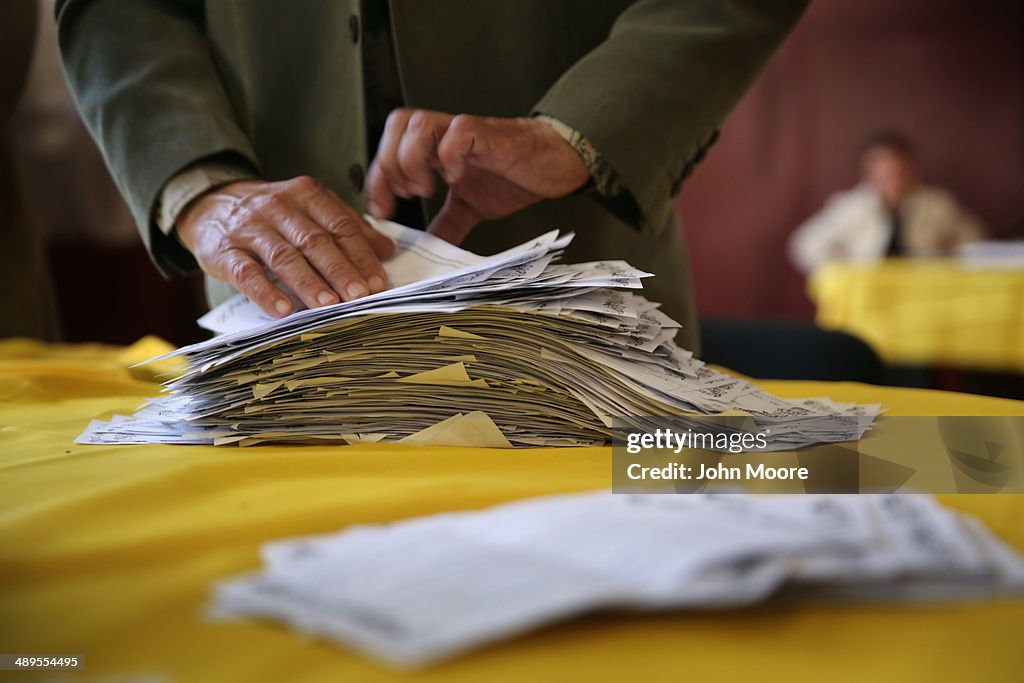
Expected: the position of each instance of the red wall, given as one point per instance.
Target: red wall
(950, 73)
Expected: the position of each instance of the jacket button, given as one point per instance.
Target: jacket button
(356, 176)
(353, 28)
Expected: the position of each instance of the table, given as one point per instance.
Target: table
(927, 312)
(110, 551)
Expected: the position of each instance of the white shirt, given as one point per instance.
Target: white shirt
(855, 226)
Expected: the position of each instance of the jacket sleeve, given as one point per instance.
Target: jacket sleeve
(150, 95)
(651, 97)
(964, 226)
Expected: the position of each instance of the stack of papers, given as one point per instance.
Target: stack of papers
(508, 350)
(417, 591)
(995, 255)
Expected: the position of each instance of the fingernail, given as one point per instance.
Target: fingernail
(282, 306)
(376, 283)
(326, 298)
(356, 290)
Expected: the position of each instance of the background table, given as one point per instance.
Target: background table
(110, 551)
(935, 313)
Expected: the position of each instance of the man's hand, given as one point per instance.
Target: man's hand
(319, 247)
(493, 167)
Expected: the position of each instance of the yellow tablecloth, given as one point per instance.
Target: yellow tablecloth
(110, 551)
(927, 312)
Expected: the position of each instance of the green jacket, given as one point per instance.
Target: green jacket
(164, 83)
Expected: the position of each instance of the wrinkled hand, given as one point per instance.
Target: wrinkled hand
(493, 167)
(318, 246)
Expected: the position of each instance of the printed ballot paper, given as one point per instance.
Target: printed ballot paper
(514, 349)
(417, 591)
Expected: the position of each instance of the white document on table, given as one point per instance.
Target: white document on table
(413, 592)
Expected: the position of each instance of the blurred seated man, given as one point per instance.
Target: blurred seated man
(889, 214)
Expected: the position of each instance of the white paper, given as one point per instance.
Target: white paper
(420, 590)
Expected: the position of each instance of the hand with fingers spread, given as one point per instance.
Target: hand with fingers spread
(299, 231)
(493, 167)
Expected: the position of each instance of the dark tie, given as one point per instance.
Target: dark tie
(895, 247)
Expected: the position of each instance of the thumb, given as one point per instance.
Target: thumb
(455, 220)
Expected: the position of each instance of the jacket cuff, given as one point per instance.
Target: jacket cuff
(604, 187)
(168, 250)
(605, 179)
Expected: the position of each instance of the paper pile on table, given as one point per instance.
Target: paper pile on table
(513, 349)
(416, 591)
(994, 255)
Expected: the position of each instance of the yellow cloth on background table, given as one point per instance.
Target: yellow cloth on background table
(916, 312)
(109, 552)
